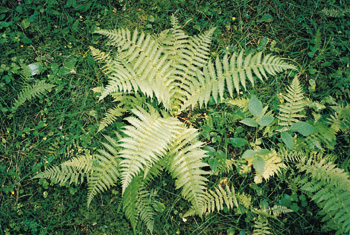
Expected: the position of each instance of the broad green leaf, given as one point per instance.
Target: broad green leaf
(262, 152)
(259, 164)
(265, 120)
(68, 67)
(211, 151)
(255, 106)
(262, 44)
(3, 9)
(26, 40)
(4, 24)
(238, 142)
(249, 122)
(213, 163)
(287, 140)
(266, 18)
(25, 23)
(248, 154)
(303, 128)
(19, 9)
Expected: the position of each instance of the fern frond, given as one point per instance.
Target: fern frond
(233, 72)
(245, 200)
(273, 164)
(124, 104)
(30, 92)
(216, 200)
(261, 227)
(242, 103)
(176, 40)
(111, 115)
(185, 163)
(74, 170)
(105, 172)
(340, 120)
(189, 56)
(336, 13)
(290, 111)
(144, 206)
(147, 140)
(330, 189)
(277, 210)
(141, 59)
(130, 200)
(291, 155)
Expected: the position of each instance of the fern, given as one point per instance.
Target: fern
(125, 103)
(340, 121)
(74, 170)
(106, 170)
(273, 165)
(30, 92)
(336, 13)
(261, 227)
(175, 68)
(330, 189)
(185, 163)
(147, 141)
(240, 102)
(233, 72)
(290, 111)
(174, 71)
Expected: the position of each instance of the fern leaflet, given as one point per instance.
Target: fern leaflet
(30, 92)
(290, 111)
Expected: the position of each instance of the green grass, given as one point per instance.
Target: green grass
(59, 124)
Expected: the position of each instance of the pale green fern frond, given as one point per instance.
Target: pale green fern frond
(261, 227)
(130, 200)
(340, 120)
(216, 200)
(105, 172)
(245, 200)
(329, 187)
(336, 12)
(147, 140)
(141, 65)
(145, 207)
(111, 115)
(290, 111)
(125, 103)
(30, 92)
(185, 163)
(176, 40)
(291, 155)
(72, 171)
(190, 58)
(233, 72)
(137, 204)
(239, 102)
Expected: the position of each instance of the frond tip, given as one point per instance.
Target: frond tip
(30, 92)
